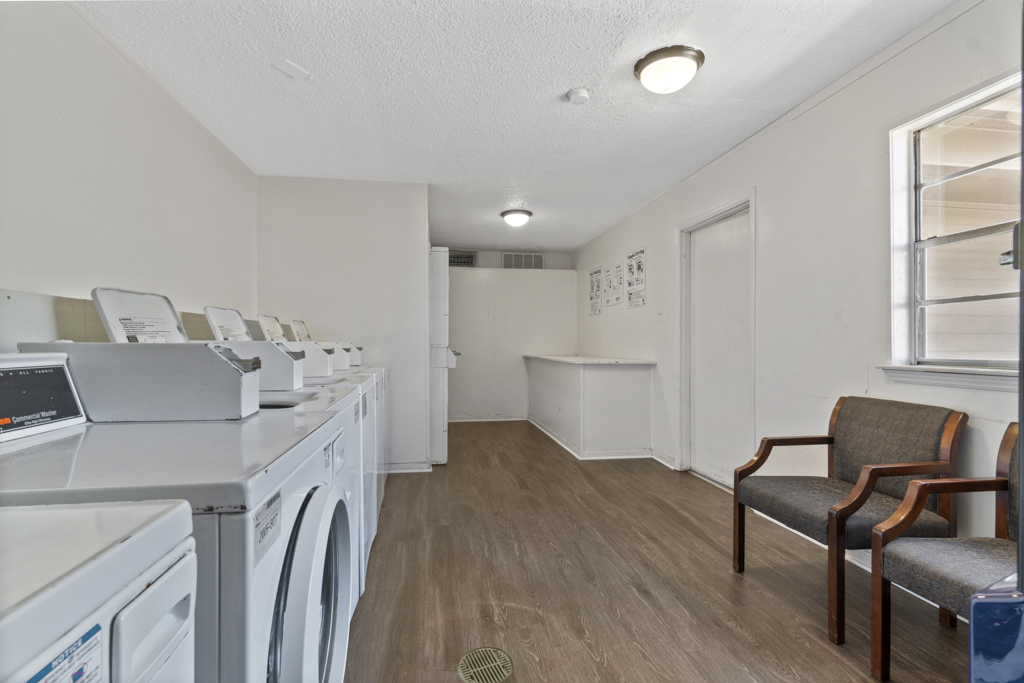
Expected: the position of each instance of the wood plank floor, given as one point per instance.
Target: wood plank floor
(606, 571)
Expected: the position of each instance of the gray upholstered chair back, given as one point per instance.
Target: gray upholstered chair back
(873, 431)
(1012, 518)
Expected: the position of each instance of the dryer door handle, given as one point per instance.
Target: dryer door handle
(151, 626)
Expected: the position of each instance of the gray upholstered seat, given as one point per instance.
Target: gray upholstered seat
(802, 504)
(948, 571)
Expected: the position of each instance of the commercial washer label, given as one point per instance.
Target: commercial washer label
(80, 662)
(268, 526)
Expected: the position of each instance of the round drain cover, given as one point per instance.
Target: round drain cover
(485, 665)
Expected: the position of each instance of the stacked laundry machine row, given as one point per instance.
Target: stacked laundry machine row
(278, 471)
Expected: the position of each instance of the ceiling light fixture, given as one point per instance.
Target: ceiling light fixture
(516, 217)
(668, 69)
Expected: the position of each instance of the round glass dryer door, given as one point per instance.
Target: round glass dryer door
(309, 634)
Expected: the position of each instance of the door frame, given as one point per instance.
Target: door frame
(746, 201)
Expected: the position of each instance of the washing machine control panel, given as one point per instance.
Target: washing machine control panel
(36, 395)
(328, 457)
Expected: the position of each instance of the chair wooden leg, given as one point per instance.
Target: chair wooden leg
(947, 618)
(738, 533)
(836, 579)
(880, 624)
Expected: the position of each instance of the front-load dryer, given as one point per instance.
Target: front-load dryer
(270, 524)
(369, 468)
(344, 400)
(97, 592)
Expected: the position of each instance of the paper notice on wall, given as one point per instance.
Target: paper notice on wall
(595, 291)
(613, 285)
(636, 278)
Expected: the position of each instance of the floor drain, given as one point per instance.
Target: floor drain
(485, 665)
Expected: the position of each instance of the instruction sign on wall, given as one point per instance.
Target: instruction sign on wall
(595, 291)
(636, 278)
(613, 285)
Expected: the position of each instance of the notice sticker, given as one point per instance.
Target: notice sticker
(267, 523)
(234, 333)
(80, 662)
(148, 330)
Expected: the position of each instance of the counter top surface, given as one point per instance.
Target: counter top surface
(592, 360)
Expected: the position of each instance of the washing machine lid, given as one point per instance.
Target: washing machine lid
(227, 324)
(314, 398)
(62, 562)
(215, 466)
(271, 327)
(340, 379)
(300, 331)
(138, 317)
(359, 370)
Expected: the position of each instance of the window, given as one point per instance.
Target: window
(966, 203)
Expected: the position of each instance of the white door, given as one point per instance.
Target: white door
(721, 348)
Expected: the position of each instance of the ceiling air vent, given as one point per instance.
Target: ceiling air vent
(510, 259)
(461, 259)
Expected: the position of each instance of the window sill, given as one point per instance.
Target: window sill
(991, 379)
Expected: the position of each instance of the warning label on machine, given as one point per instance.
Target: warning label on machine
(80, 662)
(147, 330)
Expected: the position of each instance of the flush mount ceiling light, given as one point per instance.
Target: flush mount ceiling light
(516, 217)
(669, 68)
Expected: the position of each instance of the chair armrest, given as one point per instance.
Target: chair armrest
(770, 442)
(869, 475)
(917, 496)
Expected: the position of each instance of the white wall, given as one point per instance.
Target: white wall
(105, 180)
(494, 317)
(821, 178)
(350, 258)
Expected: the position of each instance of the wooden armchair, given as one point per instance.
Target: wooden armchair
(875, 447)
(947, 571)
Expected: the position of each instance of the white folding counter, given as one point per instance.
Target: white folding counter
(596, 408)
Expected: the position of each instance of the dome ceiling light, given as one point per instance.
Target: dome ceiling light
(516, 217)
(669, 69)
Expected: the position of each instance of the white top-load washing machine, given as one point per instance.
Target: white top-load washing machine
(151, 371)
(97, 593)
(281, 368)
(352, 353)
(320, 360)
(270, 514)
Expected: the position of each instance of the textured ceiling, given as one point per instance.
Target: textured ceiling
(469, 95)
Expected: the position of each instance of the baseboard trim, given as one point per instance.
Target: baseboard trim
(711, 481)
(408, 467)
(663, 459)
(515, 418)
(591, 455)
(616, 455)
(554, 437)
